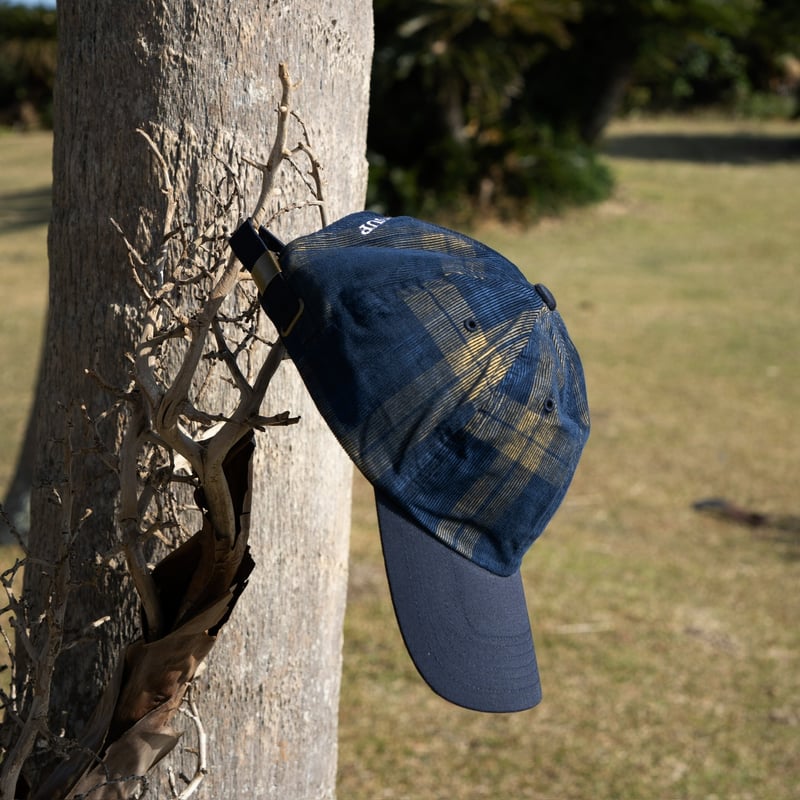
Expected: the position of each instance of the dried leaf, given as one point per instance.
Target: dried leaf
(198, 586)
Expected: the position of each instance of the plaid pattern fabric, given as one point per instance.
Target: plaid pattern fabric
(448, 380)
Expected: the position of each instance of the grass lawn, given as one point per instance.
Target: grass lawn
(668, 640)
(25, 178)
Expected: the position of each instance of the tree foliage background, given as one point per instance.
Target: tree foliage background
(498, 107)
(27, 64)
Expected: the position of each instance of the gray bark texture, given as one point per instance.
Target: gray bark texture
(201, 77)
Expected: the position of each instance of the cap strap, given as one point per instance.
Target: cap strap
(255, 249)
(281, 304)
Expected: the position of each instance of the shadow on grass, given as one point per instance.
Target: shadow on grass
(737, 148)
(780, 530)
(24, 209)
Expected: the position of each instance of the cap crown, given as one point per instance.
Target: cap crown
(447, 379)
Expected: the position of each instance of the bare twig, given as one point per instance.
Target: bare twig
(201, 769)
(7, 521)
(172, 204)
(269, 170)
(44, 656)
(129, 522)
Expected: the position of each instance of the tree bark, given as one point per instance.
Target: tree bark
(201, 77)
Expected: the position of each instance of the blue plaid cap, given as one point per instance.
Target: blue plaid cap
(453, 385)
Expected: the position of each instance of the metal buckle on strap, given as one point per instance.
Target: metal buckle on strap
(256, 250)
(264, 270)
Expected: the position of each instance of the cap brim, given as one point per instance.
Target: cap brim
(466, 629)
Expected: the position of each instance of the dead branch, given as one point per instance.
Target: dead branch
(170, 439)
(201, 770)
(12, 528)
(43, 657)
(269, 170)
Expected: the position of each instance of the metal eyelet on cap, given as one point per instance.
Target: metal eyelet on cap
(470, 324)
(549, 405)
(546, 295)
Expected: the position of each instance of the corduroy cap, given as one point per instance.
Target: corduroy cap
(452, 383)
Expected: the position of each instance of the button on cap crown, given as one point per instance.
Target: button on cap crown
(546, 295)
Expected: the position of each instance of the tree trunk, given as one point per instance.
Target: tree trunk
(201, 77)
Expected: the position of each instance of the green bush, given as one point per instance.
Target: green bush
(450, 132)
(480, 108)
(538, 173)
(27, 65)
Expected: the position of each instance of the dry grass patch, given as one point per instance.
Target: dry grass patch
(667, 640)
(25, 178)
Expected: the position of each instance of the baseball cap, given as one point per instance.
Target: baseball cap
(453, 385)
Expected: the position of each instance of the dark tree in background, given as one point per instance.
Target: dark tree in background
(27, 65)
(448, 113)
(499, 107)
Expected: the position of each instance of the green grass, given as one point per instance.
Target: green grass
(668, 641)
(25, 178)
